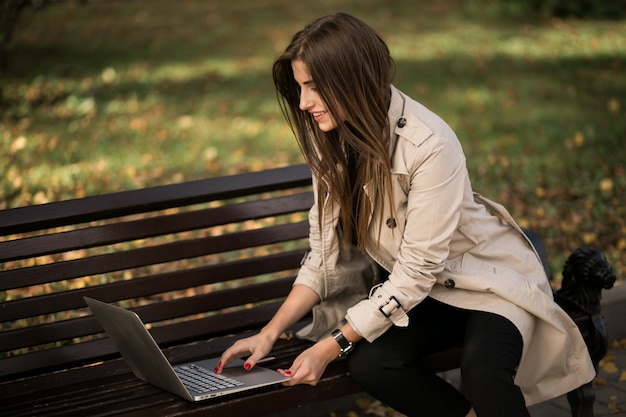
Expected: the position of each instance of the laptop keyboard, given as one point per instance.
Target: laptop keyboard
(199, 379)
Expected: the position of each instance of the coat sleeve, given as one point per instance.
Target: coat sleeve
(437, 182)
(310, 272)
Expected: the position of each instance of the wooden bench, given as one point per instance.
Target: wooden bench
(203, 263)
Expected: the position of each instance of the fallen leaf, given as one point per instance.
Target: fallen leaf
(610, 367)
(363, 403)
(287, 336)
(377, 409)
(607, 359)
(601, 381)
(612, 405)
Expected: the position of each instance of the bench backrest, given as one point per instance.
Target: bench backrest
(195, 260)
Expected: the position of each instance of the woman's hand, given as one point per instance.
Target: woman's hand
(300, 301)
(309, 366)
(257, 346)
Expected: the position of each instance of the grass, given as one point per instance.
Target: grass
(117, 95)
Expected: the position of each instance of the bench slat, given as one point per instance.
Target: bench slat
(160, 311)
(155, 226)
(150, 285)
(135, 258)
(198, 304)
(46, 216)
(80, 327)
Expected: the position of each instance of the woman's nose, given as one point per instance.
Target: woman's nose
(306, 101)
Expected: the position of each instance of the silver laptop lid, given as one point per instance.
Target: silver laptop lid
(139, 349)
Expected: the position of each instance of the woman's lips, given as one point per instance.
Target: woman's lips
(317, 116)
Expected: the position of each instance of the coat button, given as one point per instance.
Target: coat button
(391, 223)
(401, 122)
(449, 283)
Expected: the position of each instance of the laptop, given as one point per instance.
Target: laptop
(194, 381)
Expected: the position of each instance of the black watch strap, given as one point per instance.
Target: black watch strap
(344, 345)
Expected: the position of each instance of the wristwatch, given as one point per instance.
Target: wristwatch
(345, 345)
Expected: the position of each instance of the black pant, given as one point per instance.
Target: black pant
(390, 368)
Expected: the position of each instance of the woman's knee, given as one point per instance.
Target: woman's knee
(487, 367)
(492, 350)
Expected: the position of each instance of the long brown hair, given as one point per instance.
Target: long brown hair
(353, 72)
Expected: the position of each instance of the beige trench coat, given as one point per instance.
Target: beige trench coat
(446, 242)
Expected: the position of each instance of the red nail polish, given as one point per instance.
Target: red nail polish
(219, 364)
(287, 372)
(216, 370)
(247, 366)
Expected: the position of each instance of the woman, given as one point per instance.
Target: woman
(404, 257)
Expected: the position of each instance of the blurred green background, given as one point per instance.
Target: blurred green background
(113, 95)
